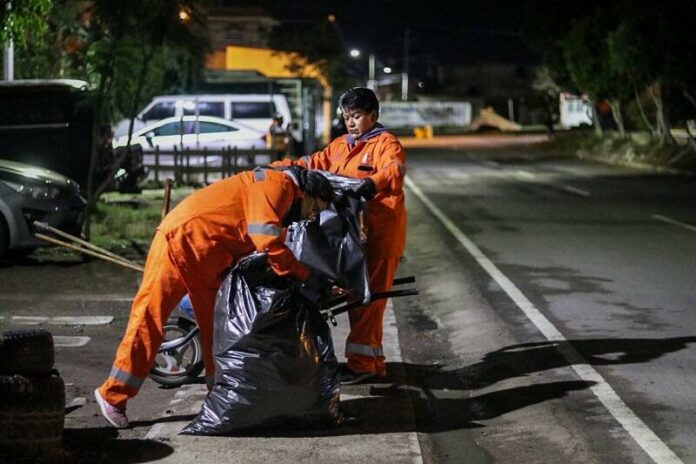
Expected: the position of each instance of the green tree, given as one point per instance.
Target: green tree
(20, 17)
(127, 40)
(586, 51)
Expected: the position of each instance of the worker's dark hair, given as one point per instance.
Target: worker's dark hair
(359, 98)
(317, 185)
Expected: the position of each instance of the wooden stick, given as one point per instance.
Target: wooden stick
(167, 197)
(86, 251)
(72, 238)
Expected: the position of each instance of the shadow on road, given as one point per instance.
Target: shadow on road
(101, 445)
(444, 399)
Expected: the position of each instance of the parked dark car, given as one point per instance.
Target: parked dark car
(52, 123)
(29, 193)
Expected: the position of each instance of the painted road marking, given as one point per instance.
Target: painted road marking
(70, 342)
(63, 320)
(575, 190)
(81, 320)
(29, 320)
(639, 431)
(526, 174)
(659, 217)
(69, 298)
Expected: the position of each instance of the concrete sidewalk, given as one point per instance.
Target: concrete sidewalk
(384, 431)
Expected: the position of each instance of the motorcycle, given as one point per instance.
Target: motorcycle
(180, 358)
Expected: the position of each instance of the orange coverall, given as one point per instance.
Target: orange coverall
(191, 250)
(382, 159)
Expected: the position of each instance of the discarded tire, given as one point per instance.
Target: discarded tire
(32, 416)
(26, 352)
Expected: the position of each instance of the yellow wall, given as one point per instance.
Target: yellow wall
(273, 64)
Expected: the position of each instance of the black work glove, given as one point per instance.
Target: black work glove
(316, 288)
(367, 189)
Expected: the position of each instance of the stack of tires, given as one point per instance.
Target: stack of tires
(32, 396)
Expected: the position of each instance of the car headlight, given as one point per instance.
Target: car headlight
(34, 191)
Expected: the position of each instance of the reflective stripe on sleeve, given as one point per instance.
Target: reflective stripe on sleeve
(264, 229)
(126, 377)
(365, 350)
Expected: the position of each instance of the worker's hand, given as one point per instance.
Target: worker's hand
(367, 189)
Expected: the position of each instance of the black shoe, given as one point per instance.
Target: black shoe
(350, 377)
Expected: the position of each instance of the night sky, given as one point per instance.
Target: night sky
(445, 31)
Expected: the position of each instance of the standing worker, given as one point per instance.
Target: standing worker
(191, 250)
(371, 153)
(277, 138)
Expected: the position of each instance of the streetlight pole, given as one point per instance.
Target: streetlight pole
(8, 54)
(404, 75)
(371, 82)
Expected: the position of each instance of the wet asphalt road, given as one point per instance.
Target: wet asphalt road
(605, 254)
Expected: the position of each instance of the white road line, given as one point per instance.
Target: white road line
(639, 431)
(62, 320)
(70, 342)
(29, 320)
(659, 217)
(575, 190)
(81, 320)
(78, 298)
(526, 174)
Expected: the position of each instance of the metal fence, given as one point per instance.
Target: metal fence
(188, 166)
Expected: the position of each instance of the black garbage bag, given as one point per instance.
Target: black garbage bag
(332, 244)
(274, 357)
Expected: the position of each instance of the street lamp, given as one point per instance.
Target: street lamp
(387, 70)
(354, 52)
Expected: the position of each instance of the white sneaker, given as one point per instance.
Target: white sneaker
(113, 415)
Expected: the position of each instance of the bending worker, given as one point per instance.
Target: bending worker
(369, 152)
(191, 250)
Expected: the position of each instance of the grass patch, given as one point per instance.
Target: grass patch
(125, 221)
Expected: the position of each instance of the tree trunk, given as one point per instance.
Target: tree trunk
(651, 128)
(661, 122)
(615, 105)
(599, 131)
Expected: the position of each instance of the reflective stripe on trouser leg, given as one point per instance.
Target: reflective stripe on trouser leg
(127, 379)
(365, 350)
(160, 291)
(366, 321)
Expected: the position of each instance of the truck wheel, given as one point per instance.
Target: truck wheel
(32, 416)
(28, 352)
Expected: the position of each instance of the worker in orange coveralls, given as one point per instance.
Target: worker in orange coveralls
(191, 250)
(371, 153)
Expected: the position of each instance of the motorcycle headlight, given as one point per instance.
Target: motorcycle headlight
(34, 191)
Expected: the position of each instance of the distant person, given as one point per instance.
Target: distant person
(371, 153)
(277, 138)
(191, 250)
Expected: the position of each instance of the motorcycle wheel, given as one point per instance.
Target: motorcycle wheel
(180, 366)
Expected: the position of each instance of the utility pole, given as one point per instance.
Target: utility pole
(8, 54)
(404, 75)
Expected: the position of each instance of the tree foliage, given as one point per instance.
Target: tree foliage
(621, 50)
(20, 17)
